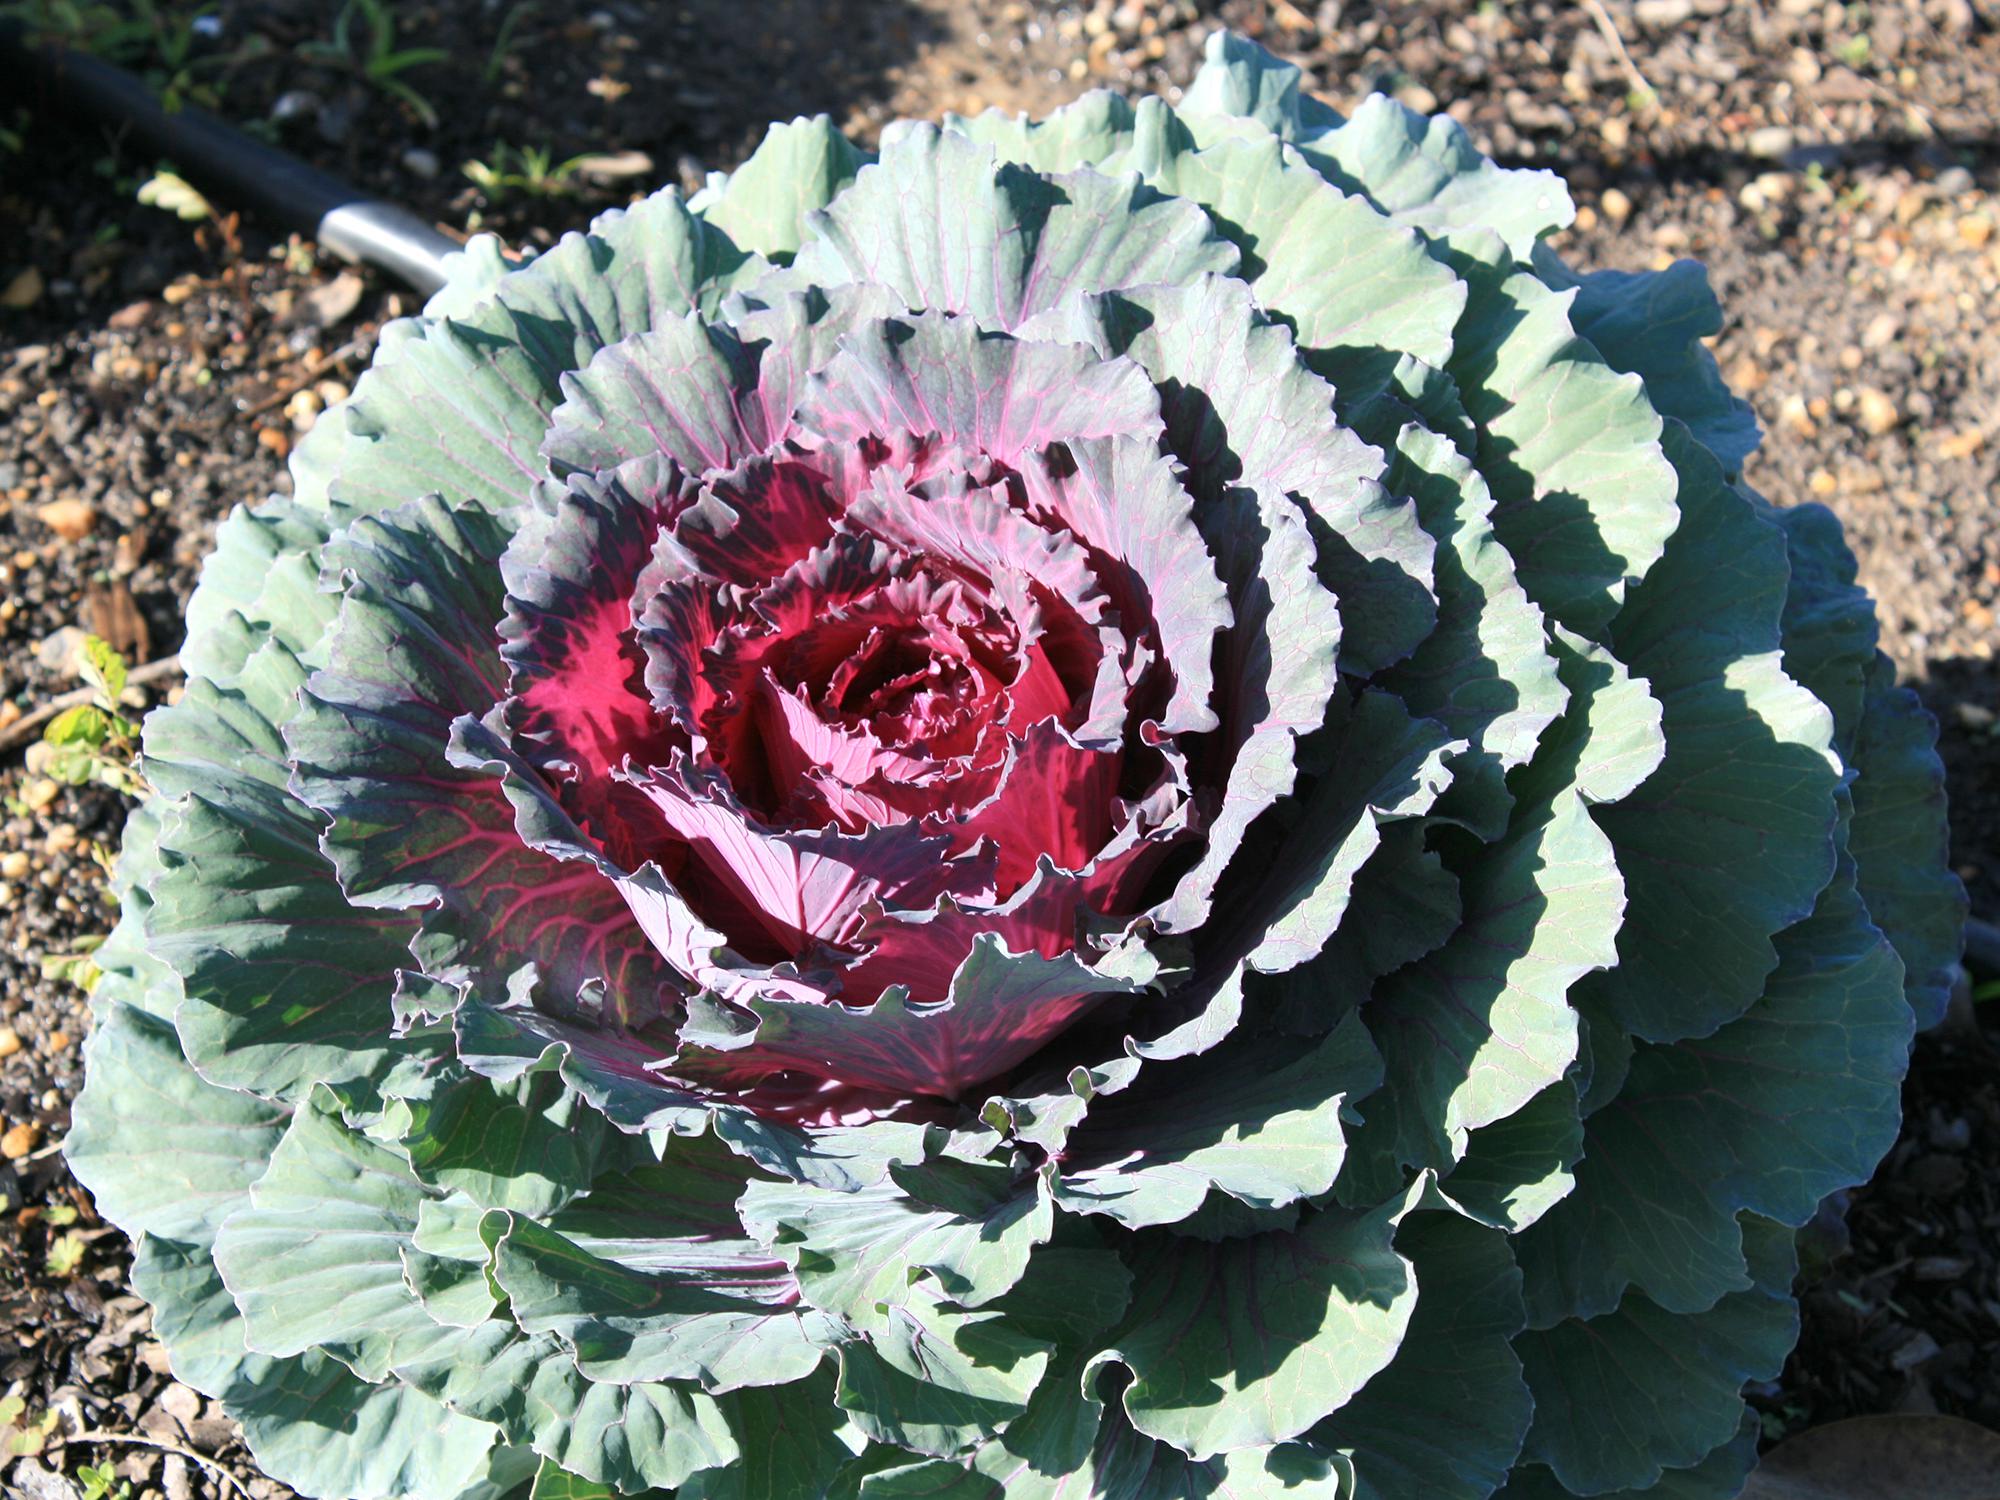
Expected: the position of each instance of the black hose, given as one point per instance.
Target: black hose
(230, 167)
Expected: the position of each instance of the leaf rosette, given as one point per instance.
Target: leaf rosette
(1122, 805)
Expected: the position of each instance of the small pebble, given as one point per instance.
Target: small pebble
(1771, 140)
(20, 1139)
(295, 104)
(10, 1041)
(1878, 413)
(72, 520)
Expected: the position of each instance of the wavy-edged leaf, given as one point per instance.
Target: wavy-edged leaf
(1719, 1476)
(309, 1422)
(458, 406)
(797, 169)
(1248, 1342)
(969, 1226)
(1241, 81)
(1358, 290)
(936, 1379)
(712, 1313)
(553, 1482)
(1446, 1418)
(1261, 1122)
(162, 1151)
(1425, 172)
(632, 1437)
(937, 219)
(527, 1144)
(1653, 323)
(259, 583)
(1472, 1032)
(1900, 842)
(1485, 671)
(792, 1440)
(1584, 497)
(285, 982)
(1622, 1398)
(1732, 838)
(315, 1259)
(1793, 1100)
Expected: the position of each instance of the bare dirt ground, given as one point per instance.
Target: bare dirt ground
(1834, 165)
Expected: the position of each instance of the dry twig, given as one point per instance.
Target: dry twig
(352, 349)
(23, 729)
(229, 1480)
(1609, 28)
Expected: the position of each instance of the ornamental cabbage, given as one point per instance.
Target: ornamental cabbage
(1122, 805)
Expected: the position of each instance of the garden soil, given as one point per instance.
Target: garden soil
(1834, 166)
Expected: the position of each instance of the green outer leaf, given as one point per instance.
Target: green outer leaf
(940, 222)
(935, 1379)
(1829, 624)
(791, 1439)
(716, 1316)
(1571, 448)
(1621, 1398)
(315, 1259)
(1732, 839)
(553, 1482)
(286, 983)
(796, 170)
(1472, 1032)
(1901, 842)
(1652, 323)
(1720, 1476)
(459, 406)
(1404, 905)
(1262, 1124)
(1446, 1419)
(678, 388)
(968, 1226)
(1241, 81)
(936, 1479)
(162, 1152)
(1426, 173)
(1797, 1098)
(528, 1145)
(1485, 672)
(1388, 767)
(309, 1422)
(247, 592)
(1250, 1342)
(1358, 290)
(1514, 1170)
(132, 976)
(632, 1437)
